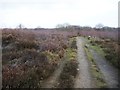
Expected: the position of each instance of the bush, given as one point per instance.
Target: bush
(73, 44)
(68, 74)
(111, 49)
(22, 44)
(7, 39)
(30, 57)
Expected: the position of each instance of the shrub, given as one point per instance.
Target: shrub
(30, 57)
(73, 44)
(22, 44)
(68, 74)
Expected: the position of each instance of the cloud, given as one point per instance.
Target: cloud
(48, 13)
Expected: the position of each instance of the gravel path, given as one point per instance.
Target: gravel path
(83, 79)
(110, 73)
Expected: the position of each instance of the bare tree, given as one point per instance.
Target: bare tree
(20, 26)
(66, 25)
(99, 26)
(59, 26)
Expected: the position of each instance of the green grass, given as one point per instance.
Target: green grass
(71, 54)
(97, 75)
(72, 43)
(96, 47)
(99, 50)
(105, 50)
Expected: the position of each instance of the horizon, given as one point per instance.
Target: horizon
(48, 14)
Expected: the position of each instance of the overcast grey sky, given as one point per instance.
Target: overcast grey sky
(49, 13)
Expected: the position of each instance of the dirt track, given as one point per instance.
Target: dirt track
(83, 79)
(52, 81)
(110, 73)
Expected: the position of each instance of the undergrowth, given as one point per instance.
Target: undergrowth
(97, 75)
(30, 57)
(70, 69)
(108, 49)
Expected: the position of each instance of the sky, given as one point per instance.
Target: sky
(49, 13)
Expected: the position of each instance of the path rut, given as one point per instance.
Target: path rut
(52, 81)
(110, 73)
(83, 79)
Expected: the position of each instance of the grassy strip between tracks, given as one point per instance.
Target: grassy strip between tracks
(97, 75)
